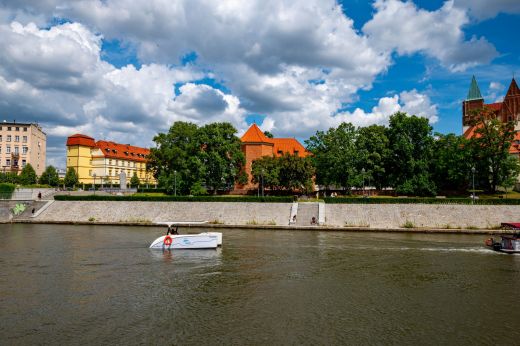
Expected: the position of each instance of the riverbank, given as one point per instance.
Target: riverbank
(469, 219)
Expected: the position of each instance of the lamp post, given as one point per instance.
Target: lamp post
(363, 174)
(473, 178)
(262, 182)
(175, 179)
(94, 175)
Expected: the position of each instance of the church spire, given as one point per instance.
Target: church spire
(513, 89)
(474, 91)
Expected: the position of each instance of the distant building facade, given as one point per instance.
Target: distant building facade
(101, 162)
(505, 111)
(256, 144)
(22, 144)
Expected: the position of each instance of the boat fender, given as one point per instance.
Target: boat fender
(167, 241)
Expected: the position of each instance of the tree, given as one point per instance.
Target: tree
(335, 157)
(296, 173)
(266, 171)
(490, 150)
(221, 155)
(71, 178)
(411, 145)
(134, 181)
(268, 134)
(451, 163)
(50, 176)
(372, 147)
(175, 162)
(28, 175)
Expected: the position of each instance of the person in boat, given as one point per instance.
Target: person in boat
(171, 230)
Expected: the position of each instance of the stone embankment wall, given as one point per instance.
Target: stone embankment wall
(420, 215)
(148, 212)
(277, 214)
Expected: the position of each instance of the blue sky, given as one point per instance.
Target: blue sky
(125, 70)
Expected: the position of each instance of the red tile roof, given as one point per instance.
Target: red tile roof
(280, 145)
(515, 144)
(79, 139)
(495, 106)
(114, 150)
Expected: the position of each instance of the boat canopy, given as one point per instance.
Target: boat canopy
(511, 225)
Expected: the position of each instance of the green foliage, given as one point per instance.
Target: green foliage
(422, 200)
(9, 177)
(173, 198)
(6, 190)
(28, 175)
(267, 170)
(71, 178)
(451, 163)
(18, 209)
(134, 182)
(50, 177)
(189, 157)
(411, 145)
(268, 134)
(490, 151)
(198, 190)
(372, 147)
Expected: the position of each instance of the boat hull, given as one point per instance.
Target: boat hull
(186, 241)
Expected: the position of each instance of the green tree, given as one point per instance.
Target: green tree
(221, 155)
(268, 134)
(296, 173)
(28, 175)
(490, 150)
(372, 147)
(266, 170)
(335, 157)
(71, 178)
(411, 145)
(50, 176)
(134, 181)
(451, 163)
(176, 159)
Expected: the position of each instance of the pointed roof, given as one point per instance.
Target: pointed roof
(513, 89)
(255, 135)
(474, 91)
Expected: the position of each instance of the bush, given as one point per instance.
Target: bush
(6, 190)
(145, 190)
(415, 200)
(174, 198)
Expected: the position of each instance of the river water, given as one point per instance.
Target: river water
(102, 285)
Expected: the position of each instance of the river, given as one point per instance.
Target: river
(102, 285)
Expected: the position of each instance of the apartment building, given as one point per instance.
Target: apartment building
(21, 144)
(101, 162)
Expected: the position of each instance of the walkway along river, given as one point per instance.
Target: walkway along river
(102, 285)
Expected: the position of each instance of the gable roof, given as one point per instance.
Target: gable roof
(128, 152)
(254, 135)
(474, 91)
(79, 139)
(513, 89)
(288, 146)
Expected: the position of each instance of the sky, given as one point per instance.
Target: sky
(125, 70)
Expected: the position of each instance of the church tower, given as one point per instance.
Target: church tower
(511, 106)
(473, 101)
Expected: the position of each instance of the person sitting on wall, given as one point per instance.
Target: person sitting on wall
(294, 218)
(313, 221)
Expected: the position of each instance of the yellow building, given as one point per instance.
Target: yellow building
(102, 162)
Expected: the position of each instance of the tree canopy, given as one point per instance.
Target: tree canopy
(28, 175)
(50, 176)
(71, 177)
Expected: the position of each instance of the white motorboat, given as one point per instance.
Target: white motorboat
(173, 240)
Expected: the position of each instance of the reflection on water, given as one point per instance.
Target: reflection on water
(103, 285)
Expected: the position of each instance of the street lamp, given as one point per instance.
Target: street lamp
(175, 180)
(262, 182)
(363, 174)
(473, 178)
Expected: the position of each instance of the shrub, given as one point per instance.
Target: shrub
(174, 198)
(416, 200)
(6, 190)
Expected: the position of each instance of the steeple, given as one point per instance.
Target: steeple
(513, 89)
(474, 91)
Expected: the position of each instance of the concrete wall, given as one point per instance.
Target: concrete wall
(420, 215)
(217, 212)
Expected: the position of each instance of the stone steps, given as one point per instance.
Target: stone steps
(306, 211)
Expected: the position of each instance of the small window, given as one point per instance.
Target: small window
(24, 129)
(16, 150)
(90, 172)
(0, 138)
(24, 162)
(24, 150)
(8, 150)
(17, 128)
(8, 162)
(24, 139)
(17, 138)
(8, 138)
(8, 128)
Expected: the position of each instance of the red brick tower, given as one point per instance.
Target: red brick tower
(473, 101)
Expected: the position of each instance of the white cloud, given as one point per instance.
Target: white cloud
(484, 9)
(412, 102)
(403, 27)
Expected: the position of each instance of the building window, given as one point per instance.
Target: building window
(90, 172)
(8, 162)
(110, 161)
(8, 149)
(17, 138)
(17, 128)
(8, 128)
(16, 150)
(24, 162)
(109, 172)
(24, 150)
(8, 138)
(24, 139)
(24, 129)
(0, 138)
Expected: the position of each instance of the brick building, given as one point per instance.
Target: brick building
(505, 111)
(256, 144)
